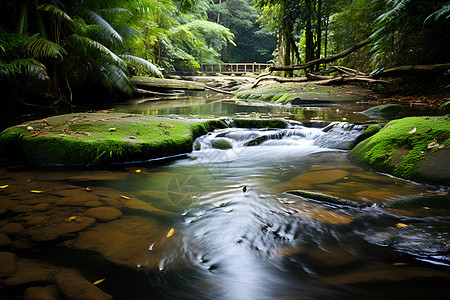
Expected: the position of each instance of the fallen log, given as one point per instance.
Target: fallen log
(412, 70)
(280, 79)
(348, 71)
(218, 91)
(167, 84)
(323, 60)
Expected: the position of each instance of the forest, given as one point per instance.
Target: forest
(61, 54)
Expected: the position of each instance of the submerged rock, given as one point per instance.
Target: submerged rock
(7, 264)
(415, 148)
(104, 214)
(49, 292)
(76, 287)
(326, 198)
(124, 242)
(386, 111)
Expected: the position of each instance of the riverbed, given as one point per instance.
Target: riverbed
(218, 223)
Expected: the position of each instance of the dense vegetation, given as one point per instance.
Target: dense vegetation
(56, 53)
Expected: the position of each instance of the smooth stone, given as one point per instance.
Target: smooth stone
(41, 207)
(12, 228)
(103, 213)
(7, 264)
(31, 272)
(49, 292)
(135, 206)
(76, 287)
(4, 240)
(50, 233)
(125, 242)
(79, 199)
(94, 203)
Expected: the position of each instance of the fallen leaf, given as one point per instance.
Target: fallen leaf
(125, 197)
(87, 133)
(138, 171)
(442, 193)
(432, 145)
(30, 128)
(429, 130)
(442, 146)
(36, 191)
(72, 218)
(98, 281)
(4, 186)
(35, 134)
(413, 131)
(112, 129)
(401, 225)
(399, 264)
(171, 232)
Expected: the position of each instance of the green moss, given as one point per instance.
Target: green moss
(259, 123)
(325, 198)
(92, 139)
(402, 145)
(221, 144)
(371, 130)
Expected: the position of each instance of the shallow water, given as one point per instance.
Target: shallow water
(236, 233)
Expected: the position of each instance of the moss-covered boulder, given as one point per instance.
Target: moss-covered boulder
(304, 93)
(221, 144)
(416, 148)
(371, 130)
(385, 111)
(98, 138)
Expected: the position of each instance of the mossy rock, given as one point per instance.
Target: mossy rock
(259, 123)
(326, 198)
(304, 94)
(415, 148)
(387, 111)
(441, 200)
(99, 138)
(371, 130)
(221, 144)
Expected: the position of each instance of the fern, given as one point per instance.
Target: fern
(42, 48)
(142, 64)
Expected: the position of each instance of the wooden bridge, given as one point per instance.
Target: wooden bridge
(234, 68)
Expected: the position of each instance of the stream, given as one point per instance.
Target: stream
(225, 228)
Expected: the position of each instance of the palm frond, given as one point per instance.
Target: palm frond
(31, 68)
(90, 48)
(113, 78)
(56, 13)
(40, 48)
(106, 33)
(22, 26)
(142, 64)
(440, 12)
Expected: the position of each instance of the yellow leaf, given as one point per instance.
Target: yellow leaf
(138, 171)
(401, 225)
(36, 192)
(88, 189)
(125, 197)
(171, 231)
(72, 218)
(4, 186)
(399, 264)
(98, 281)
(112, 129)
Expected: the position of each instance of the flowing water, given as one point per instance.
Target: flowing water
(221, 225)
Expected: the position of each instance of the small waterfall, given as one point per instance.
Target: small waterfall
(336, 135)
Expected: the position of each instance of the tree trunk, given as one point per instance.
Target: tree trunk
(309, 51)
(319, 32)
(412, 70)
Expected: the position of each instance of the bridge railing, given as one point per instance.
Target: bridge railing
(233, 68)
